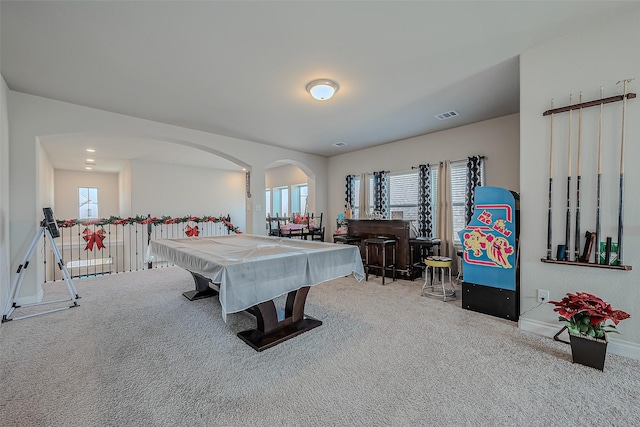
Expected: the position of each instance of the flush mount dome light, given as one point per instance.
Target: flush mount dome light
(322, 89)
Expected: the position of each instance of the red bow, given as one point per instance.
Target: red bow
(93, 238)
(191, 231)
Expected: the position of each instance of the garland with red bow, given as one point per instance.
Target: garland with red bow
(114, 220)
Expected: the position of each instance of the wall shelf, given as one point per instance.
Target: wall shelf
(589, 104)
(586, 264)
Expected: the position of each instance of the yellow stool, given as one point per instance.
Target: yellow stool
(438, 264)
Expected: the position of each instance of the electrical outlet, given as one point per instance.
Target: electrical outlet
(543, 296)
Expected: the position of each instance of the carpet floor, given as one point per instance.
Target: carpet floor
(137, 353)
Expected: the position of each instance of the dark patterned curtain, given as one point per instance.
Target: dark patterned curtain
(381, 193)
(425, 225)
(350, 191)
(474, 179)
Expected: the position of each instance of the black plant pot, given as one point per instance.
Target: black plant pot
(588, 351)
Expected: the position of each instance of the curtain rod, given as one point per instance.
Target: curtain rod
(370, 173)
(452, 161)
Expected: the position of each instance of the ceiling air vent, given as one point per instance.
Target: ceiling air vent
(339, 144)
(447, 115)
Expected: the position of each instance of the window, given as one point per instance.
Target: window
(458, 194)
(267, 201)
(299, 195)
(434, 196)
(88, 202)
(403, 194)
(355, 207)
(281, 200)
(458, 191)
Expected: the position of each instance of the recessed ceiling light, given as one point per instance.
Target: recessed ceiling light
(339, 144)
(88, 168)
(89, 160)
(322, 89)
(90, 150)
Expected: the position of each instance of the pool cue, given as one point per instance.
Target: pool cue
(597, 260)
(567, 238)
(621, 197)
(550, 182)
(578, 177)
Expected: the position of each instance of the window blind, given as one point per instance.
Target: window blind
(458, 190)
(403, 194)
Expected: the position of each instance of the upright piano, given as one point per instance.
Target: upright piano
(393, 228)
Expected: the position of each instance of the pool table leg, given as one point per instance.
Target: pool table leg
(202, 290)
(273, 327)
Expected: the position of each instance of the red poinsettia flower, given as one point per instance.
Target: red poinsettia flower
(586, 314)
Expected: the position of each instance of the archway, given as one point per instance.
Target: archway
(290, 187)
(134, 157)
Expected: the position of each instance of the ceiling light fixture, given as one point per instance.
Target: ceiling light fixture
(322, 89)
(90, 150)
(90, 160)
(88, 168)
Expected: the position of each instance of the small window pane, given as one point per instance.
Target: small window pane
(403, 194)
(267, 201)
(88, 202)
(458, 191)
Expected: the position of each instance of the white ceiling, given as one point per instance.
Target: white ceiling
(240, 68)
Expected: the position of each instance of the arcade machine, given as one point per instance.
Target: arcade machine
(490, 255)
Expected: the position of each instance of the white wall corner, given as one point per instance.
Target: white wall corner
(616, 345)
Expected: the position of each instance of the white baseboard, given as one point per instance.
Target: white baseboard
(616, 346)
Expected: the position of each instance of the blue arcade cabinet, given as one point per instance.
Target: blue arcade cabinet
(490, 255)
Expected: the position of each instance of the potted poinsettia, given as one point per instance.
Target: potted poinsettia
(585, 316)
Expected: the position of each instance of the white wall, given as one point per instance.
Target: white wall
(284, 175)
(5, 277)
(47, 179)
(592, 57)
(497, 140)
(124, 190)
(166, 189)
(32, 117)
(66, 192)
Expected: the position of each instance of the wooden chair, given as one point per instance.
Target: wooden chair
(316, 230)
(274, 226)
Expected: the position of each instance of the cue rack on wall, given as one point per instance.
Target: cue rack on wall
(608, 254)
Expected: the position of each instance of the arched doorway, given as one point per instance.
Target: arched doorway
(290, 189)
(155, 175)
